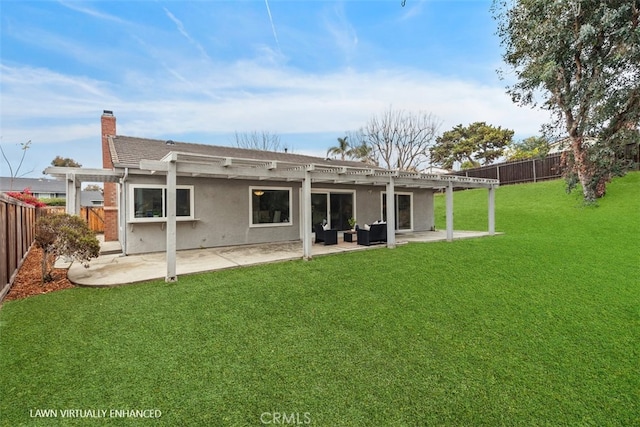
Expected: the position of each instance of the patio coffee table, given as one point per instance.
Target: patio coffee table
(348, 236)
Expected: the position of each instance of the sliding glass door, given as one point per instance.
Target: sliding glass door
(403, 211)
(341, 210)
(319, 208)
(336, 208)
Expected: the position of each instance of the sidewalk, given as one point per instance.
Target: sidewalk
(111, 269)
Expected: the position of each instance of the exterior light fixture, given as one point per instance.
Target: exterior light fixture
(258, 192)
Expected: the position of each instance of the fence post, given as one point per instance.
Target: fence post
(533, 161)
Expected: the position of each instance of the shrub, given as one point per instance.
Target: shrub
(64, 235)
(55, 201)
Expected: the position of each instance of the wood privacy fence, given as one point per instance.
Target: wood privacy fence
(533, 170)
(93, 215)
(519, 171)
(17, 233)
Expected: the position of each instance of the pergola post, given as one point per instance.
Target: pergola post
(449, 209)
(171, 222)
(492, 210)
(73, 195)
(391, 214)
(306, 216)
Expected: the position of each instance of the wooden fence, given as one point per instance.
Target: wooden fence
(93, 215)
(533, 170)
(519, 171)
(17, 232)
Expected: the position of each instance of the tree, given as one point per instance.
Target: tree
(14, 174)
(534, 146)
(343, 149)
(476, 144)
(65, 162)
(582, 58)
(401, 140)
(64, 235)
(93, 187)
(364, 153)
(263, 141)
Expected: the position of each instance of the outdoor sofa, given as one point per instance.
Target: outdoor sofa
(377, 233)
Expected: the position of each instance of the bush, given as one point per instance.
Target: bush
(55, 201)
(65, 235)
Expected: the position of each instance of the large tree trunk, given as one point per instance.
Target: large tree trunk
(592, 187)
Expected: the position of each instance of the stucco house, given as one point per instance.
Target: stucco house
(167, 196)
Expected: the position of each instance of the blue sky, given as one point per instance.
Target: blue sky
(199, 71)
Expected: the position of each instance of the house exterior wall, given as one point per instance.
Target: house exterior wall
(369, 206)
(222, 212)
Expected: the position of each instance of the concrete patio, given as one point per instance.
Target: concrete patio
(111, 268)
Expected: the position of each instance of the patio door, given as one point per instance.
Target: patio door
(341, 209)
(319, 208)
(403, 211)
(335, 207)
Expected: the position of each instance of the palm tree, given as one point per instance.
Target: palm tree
(342, 149)
(364, 153)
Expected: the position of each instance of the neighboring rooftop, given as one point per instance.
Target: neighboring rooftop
(48, 188)
(35, 185)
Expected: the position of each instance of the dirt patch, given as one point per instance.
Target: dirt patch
(28, 282)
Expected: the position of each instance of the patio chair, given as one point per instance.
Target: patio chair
(329, 237)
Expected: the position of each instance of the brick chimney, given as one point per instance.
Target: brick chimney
(108, 124)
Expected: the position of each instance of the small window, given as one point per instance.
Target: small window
(150, 201)
(270, 206)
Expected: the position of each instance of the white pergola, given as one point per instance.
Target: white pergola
(177, 164)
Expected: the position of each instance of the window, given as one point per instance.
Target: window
(150, 201)
(270, 206)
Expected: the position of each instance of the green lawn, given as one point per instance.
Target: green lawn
(539, 326)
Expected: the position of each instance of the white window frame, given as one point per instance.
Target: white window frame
(271, 224)
(162, 217)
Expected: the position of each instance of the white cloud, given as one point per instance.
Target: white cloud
(342, 31)
(92, 12)
(49, 107)
(185, 34)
